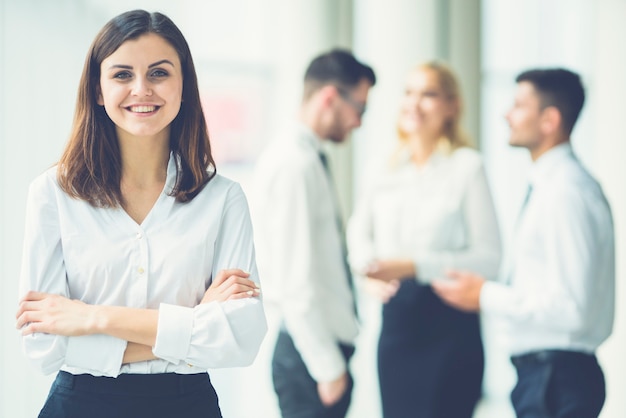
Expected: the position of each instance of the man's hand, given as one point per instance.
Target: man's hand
(331, 392)
(461, 290)
(231, 284)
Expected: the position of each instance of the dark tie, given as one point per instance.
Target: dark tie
(340, 227)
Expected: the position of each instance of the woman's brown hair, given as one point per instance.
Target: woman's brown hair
(90, 167)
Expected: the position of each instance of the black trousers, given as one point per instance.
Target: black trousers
(297, 390)
(558, 384)
(430, 357)
(167, 395)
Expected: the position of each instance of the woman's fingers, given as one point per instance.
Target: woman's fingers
(231, 284)
(28, 309)
(28, 316)
(226, 274)
(244, 295)
(243, 287)
(235, 284)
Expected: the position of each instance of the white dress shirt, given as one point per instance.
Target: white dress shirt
(440, 215)
(561, 293)
(299, 248)
(103, 257)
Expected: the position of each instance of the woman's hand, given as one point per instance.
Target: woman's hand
(231, 284)
(382, 290)
(54, 314)
(391, 269)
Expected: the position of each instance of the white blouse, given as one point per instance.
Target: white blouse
(440, 215)
(103, 257)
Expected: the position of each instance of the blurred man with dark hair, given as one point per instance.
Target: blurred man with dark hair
(301, 242)
(558, 294)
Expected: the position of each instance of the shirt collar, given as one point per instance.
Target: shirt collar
(404, 157)
(170, 180)
(311, 138)
(547, 162)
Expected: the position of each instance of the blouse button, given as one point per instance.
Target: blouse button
(140, 270)
(139, 236)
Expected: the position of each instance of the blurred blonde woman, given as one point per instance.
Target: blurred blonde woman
(430, 211)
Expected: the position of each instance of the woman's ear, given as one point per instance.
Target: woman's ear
(454, 107)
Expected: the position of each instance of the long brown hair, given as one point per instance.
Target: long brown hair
(90, 167)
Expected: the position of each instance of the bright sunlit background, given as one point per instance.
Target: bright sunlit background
(250, 56)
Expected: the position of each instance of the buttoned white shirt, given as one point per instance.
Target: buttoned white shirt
(562, 277)
(440, 215)
(300, 253)
(103, 257)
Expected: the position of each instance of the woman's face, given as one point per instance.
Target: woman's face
(425, 108)
(141, 87)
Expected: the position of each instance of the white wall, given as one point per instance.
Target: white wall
(39, 77)
(607, 135)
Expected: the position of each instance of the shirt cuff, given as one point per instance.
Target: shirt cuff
(173, 332)
(101, 353)
(326, 368)
(496, 298)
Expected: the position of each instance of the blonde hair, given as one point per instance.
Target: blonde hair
(453, 136)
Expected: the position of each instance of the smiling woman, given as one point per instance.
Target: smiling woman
(138, 257)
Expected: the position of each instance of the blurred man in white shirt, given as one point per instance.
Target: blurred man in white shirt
(301, 246)
(558, 294)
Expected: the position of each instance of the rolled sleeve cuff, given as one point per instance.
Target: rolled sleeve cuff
(328, 367)
(173, 332)
(101, 353)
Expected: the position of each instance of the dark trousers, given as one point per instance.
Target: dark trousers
(167, 395)
(430, 357)
(558, 384)
(297, 390)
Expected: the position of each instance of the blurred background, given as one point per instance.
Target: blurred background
(250, 56)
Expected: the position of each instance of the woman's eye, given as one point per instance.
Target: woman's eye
(122, 75)
(159, 73)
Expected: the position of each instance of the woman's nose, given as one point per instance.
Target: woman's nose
(141, 87)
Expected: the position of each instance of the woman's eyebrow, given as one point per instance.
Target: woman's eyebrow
(161, 62)
(130, 67)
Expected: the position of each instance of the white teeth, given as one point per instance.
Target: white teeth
(142, 109)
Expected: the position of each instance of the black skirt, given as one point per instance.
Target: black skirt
(430, 357)
(166, 395)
